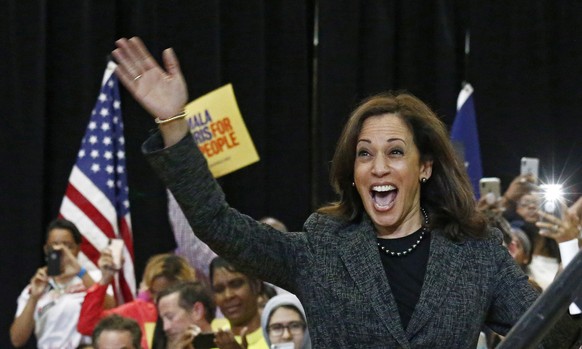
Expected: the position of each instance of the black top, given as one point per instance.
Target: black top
(406, 273)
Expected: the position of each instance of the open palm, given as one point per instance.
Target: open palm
(163, 93)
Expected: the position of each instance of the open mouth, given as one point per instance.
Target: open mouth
(384, 195)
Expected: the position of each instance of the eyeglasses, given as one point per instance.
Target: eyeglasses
(294, 327)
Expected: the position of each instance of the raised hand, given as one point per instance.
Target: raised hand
(519, 186)
(69, 263)
(162, 92)
(561, 230)
(38, 283)
(490, 205)
(576, 208)
(185, 341)
(106, 266)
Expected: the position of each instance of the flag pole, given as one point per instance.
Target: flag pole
(467, 55)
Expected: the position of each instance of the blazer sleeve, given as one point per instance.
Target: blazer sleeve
(253, 247)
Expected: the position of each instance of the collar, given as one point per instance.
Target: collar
(254, 337)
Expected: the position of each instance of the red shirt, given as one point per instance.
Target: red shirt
(92, 311)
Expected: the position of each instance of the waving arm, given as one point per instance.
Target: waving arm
(160, 91)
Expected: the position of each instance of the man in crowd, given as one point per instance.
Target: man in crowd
(185, 309)
(117, 332)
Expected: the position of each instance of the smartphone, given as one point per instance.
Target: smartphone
(488, 187)
(204, 341)
(116, 247)
(287, 345)
(551, 199)
(53, 262)
(530, 166)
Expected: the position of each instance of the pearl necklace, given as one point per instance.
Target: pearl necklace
(414, 246)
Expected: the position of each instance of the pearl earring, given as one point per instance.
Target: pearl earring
(353, 184)
(423, 180)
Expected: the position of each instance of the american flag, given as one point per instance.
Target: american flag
(96, 199)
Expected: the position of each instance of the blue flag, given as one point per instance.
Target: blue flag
(465, 136)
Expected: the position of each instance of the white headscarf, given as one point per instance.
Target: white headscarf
(276, 302)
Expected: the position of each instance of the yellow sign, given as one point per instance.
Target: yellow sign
(220, 132)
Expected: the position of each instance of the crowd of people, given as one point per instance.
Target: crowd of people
(539, 242)
(75, 309)
(532, 235)
(406, 257)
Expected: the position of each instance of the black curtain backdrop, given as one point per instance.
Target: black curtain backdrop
(524, 65)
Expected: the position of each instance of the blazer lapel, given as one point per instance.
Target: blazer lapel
(360, 255)
(444, 263)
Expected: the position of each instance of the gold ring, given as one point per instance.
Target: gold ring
(137, 77)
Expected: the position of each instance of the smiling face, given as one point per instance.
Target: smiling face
(387, 174)
(235, 297)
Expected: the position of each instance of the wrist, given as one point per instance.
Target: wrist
(173, 132)
(82, 272)
(179, 116)
(33, 297)
(106, 279)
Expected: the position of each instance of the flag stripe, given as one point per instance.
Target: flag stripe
(90, 252)
(125, 234)
(91, 232)
(86, 262)
(126, 292)
(100, 221)
(87, 189)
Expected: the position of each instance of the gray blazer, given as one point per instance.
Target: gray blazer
(334, 268)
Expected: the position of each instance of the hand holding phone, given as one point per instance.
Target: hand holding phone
(116, 248)
(204, 341)
(38, 283)
(552, 199)
(550, 208)
(490, 188)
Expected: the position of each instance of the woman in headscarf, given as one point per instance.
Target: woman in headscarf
(283, 321)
